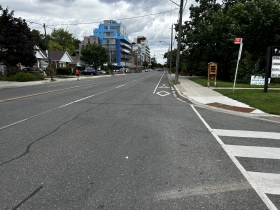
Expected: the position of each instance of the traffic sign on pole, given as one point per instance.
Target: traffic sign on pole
(275, 62)
(237, 41)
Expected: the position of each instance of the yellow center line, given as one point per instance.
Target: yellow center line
(42, 93)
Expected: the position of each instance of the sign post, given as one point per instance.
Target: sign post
(272, 64)
(237, 41)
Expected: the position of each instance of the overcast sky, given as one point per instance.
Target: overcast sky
(149, 18)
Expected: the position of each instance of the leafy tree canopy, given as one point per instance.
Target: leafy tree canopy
(64, 39)
(208, 36)
(16, 41)
(94, 54)
(39, 39)
(145, 64)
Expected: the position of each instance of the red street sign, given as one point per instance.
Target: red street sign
(237, 40)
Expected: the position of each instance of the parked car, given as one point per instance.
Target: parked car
(101, 71)
(116, 71)
(89, 71)
(32, 70)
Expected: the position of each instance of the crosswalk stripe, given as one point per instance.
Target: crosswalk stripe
(247, 134)
(261, 189)
(254, 152)
(268, 182)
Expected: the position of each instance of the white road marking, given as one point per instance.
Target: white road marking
(163, 93)
(163, 86)
(120, 86)
(59, 107)
(158, 84)
(254, 152)
(254, 184)
(269, 182)
(247, 134)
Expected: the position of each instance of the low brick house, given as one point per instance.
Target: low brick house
(60, 58)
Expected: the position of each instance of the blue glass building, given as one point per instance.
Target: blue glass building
(112, 35)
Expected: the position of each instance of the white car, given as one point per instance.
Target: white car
(101, 71)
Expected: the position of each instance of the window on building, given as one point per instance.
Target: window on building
(112, 41)
(88, 40)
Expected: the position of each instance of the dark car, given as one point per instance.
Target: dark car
(89, 71)
(32, 70)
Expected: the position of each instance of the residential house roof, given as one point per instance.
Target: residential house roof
(77, 60)
(60, 55)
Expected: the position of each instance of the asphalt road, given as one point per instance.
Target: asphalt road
(125, 142)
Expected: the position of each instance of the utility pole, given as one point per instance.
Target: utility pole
(179, 41)
(170, 55)
(48, 54)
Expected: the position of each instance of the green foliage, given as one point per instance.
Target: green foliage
(208, 36)
(24, 77)
(145, 64)
(17, 41)
(55, 46)
(63, 71)
(94, 55)
(11, 70)
(39, 39)
(61, 39)
(268, 102)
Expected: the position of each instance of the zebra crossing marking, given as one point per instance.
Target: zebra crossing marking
(269, 182)
(254, 151)
(262, 183)
(247, 134)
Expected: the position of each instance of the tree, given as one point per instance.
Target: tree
(55, 46)
(61, 39)
(16, 41)
(145, 64)
(94, 54)
(209, 35)
(39, 39)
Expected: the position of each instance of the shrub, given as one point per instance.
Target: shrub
(48, 71)
(11, 70)
(24, 77)
(63, 71)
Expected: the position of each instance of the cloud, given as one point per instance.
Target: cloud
(149, 18)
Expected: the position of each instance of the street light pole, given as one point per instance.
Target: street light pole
(179, 42)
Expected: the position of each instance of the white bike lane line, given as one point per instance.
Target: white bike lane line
(262, 183)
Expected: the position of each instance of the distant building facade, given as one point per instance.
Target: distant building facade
(88, 40)
(142, 42)
(112, 36)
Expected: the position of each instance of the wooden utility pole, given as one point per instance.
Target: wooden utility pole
(179, 41)
(48, 54)
(170, 55)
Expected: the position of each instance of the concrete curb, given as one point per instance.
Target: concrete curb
(262, 116)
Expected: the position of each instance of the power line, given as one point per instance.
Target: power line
(120, 19)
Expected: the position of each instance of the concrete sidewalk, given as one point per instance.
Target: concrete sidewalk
(207, 97)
